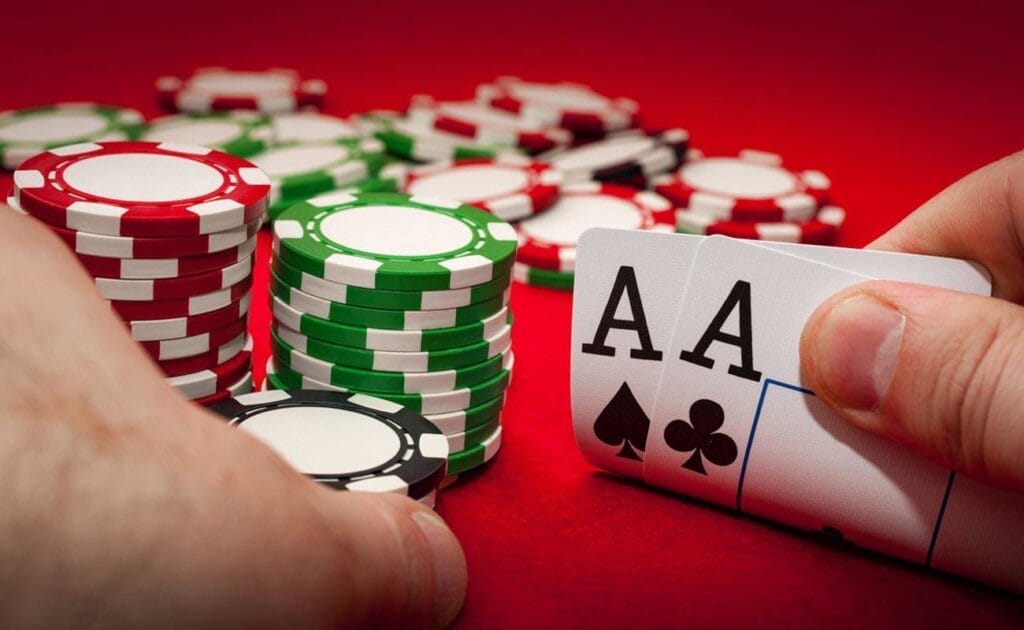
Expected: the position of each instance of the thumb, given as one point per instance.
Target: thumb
(933, 369)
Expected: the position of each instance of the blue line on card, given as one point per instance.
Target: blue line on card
(938, 521)
(753, 430)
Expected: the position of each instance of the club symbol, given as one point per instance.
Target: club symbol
(701, 436)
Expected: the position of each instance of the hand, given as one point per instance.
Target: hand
(125, 505)
(936, 370)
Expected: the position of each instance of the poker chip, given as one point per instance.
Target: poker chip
(421, 143)
(380, 381)
(241, 133)
(206, 360)
(475, 456)
(753, 187)
(305, 169)
(344, 440)
(282, 377)
(569, 105)
(219, 89)
(143, 189)
(383, 339)
(548, 240)
(368, 123)
(486, 125)
(622, 156)
(189, 326)
(543, 277)
(823, 229)
(26, 132)
(387, 300)
(180, 307)
(510, 187)
(157, 268)
(458, 442)
(243, 386)
(387, 319)
(395, 242)
(387, 361)
(171, 288)
(388, 180)
(307, 126)
(455, 422)
(182, 347)
(210, 381)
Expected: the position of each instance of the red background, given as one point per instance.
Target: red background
(893, 100)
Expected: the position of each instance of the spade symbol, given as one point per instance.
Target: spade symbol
(622, 421)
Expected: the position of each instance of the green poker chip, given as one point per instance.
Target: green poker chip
(439, 403)
(460, 442)
(419, 142)
(302, 169)
(394, 242)
(543, 277)
(388, 319)
(240, 132)
(388, 300)
(389, 179)
(377, 381)
(26, 132)
(475, 456)
(383, 339)
(386, 361)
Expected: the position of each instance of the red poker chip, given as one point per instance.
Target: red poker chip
(548, 240)
(172, 288)
(206, 360)
(272, 91)
(753, 187)
(568, 105)
(823, 229)
(487, 125)
(243, 386)
(175, 327)
(180, 307)
(168, 349)
(210, 381)
(511, 187)
(158, 268)
(141, 189)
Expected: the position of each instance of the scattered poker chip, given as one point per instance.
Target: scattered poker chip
(181, 307)
(458, 442)
(569, 105)
(510, 187)
(387, 300)
(307, 126)
(387, 319)
(475, 456)
(387, 361)
(172, 288)
(157, 268)
(486, 125)
(416, 141)
(622, 156)
(388, 180)
(189, 326)
(240, 132)
(206, 360)
(243, 386)
(754, 187)
(182, 347)
(379, 381)
(305, 169)
(210, 381)
(396, 242)
(219, 89)
(455, 422)
(283, 377)
(543, 277)
(142, 189)
(823, 229)
(26, 132)
(548, 240)
(368, 123)
(383, 339)
(343, 440)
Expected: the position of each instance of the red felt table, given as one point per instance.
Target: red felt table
(893, 100)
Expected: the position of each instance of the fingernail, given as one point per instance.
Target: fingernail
(449, 567)
(856, 350)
